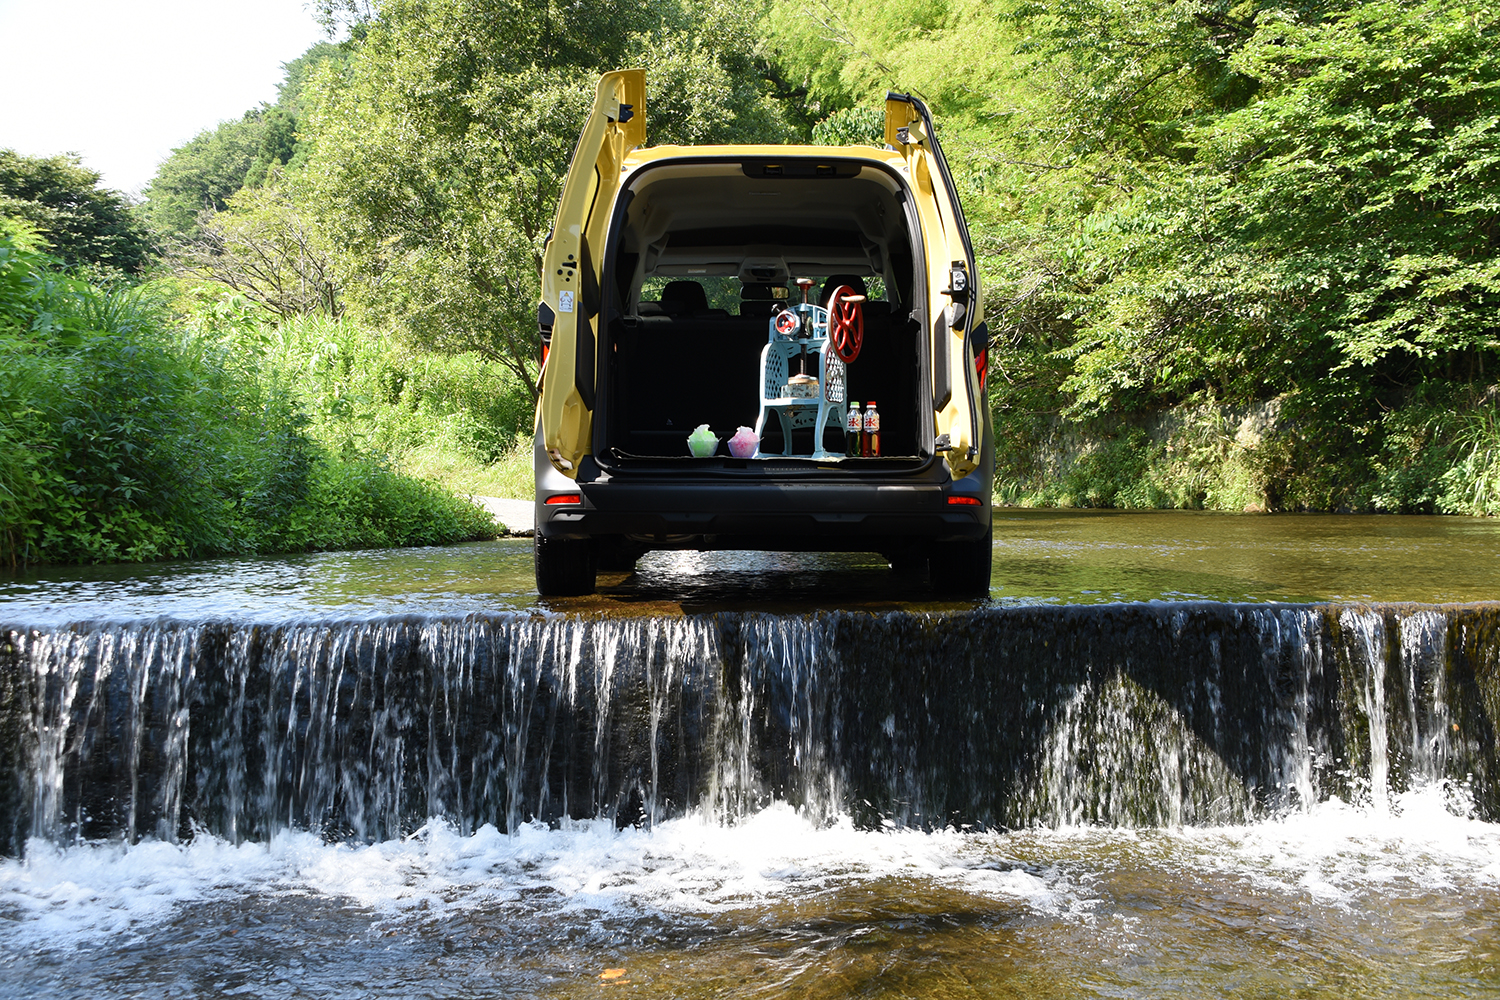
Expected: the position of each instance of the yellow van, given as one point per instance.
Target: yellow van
(760, 347)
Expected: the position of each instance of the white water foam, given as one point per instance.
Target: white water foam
(1333, 855)
(1422, 840)
(76, 895)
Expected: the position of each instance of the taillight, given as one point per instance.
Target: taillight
(964, 501)
(564, 498)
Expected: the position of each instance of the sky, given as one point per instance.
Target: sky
(123, 82)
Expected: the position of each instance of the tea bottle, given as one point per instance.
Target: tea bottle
(852, 430)
(871, 435)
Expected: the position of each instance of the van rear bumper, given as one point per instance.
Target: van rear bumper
(762, 515)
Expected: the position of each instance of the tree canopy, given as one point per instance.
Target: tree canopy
(1344, 218)
(61, 201)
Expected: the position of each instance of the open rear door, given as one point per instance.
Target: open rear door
(954, 307)
(571, 301)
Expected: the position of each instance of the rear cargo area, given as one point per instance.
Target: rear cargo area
(672, 373)
(707, 257)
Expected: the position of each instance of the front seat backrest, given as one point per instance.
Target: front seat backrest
(683, 298)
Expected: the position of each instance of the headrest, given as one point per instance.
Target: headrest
(680, 297)
(833, 281)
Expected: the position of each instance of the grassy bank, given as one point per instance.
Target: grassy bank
(129, 431)
(462, 421)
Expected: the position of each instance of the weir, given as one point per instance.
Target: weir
(1125, 714)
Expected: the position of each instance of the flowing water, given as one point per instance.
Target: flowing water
(1182, 755)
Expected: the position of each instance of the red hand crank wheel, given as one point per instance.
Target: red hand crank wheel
(846, 322)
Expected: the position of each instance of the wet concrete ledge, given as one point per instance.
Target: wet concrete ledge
(1124, 714)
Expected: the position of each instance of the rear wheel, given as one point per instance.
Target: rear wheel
(962, 569)
(565, 567)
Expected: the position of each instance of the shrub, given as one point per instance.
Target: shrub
(122, 440)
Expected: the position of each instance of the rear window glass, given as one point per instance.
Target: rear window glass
(723, 292)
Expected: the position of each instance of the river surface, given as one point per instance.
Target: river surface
(1041, 556)
(1359, 856)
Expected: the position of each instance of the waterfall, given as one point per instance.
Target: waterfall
(1130, 714)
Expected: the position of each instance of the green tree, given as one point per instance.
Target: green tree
(1340, 226)
(957, 54)
(60, 200)
(438, 159)
(265, 247)
(201, 175)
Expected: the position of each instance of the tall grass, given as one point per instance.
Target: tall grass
(121, 438)
(1472, 484)
(463, 420)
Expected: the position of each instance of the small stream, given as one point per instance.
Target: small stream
(1174, 755)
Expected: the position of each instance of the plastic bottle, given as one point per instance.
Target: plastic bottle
(871, 435)
(852, 426)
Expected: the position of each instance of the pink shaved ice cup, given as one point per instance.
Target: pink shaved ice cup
(744, 443)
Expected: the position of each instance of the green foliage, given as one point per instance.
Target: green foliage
(1106, 466)
(1472, 484)
(361, 393)
(59, 200)
(461, 420)
(119, 440)
(1345, 218)
(103, 459)
(296, 92)
(1113, 475)
(266, 248)
(1384, 122)
(857, 126)
(1440, 453)
(954, 53)
(201, 175)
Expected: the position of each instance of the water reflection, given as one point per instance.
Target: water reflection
(1049, 556)
(458, 579)
(1166, 555)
